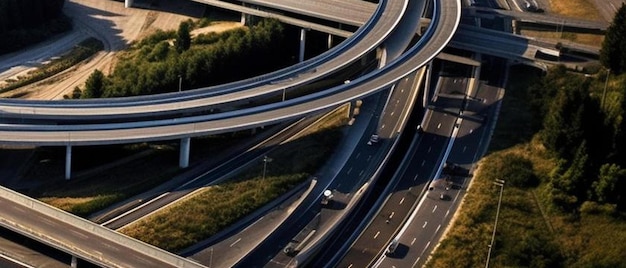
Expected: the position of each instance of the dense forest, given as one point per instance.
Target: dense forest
(24, 22)
(158, 63)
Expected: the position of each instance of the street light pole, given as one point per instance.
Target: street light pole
(500, 183)
(265, 160)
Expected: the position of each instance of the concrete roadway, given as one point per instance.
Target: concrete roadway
(425, 159)
(433, 214)
(362, 162)
(116, 253)
(334, 10)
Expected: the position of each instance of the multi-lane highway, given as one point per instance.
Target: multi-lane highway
(444, 25)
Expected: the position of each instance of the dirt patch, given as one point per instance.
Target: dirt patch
(217, 27)
(581, 9)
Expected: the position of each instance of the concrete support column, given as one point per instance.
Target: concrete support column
(74, 263)
(302, 44)
(68, 162)
(429, 67)
(473, 84)
(183, 160)
(330, 41)
(128, 3)
(243, 18)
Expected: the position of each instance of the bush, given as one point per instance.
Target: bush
(515, 169)
(590, 207)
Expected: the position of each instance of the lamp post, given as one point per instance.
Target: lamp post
(180, 82)
(500, 183)
(265, 161)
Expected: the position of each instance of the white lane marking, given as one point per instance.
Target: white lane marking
(357, 155)
(438, 227)
(413, 241)
(429, 149)
(376, 235)
(439, 125)
(425, 223)
(349, 170)
(434, 208)
(391, 216)
(236, 241)
(361, 173)
(423, 162)
(401, 201)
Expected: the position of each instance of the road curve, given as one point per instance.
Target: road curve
(445, 21)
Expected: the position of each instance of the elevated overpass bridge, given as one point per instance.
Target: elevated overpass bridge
(439, 33)
(444, 24)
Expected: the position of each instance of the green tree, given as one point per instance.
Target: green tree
(94, 86)
(183, 37)
(605, 188)
(613, 51)
(562, 128)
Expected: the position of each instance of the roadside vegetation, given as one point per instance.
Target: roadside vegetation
(80, 52)
(213, 208)
(559, 144)
(105, 175)
(166, 60)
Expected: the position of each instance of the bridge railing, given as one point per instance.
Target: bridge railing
(88, 226)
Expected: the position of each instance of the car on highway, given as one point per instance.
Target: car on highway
(373, 139)
(453, 169)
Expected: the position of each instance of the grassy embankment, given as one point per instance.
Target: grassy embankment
(582, 9)
(140, 167)
(78, 53)
(215, 207)
(530, 232)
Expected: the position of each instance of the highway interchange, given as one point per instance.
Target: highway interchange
(438, 124)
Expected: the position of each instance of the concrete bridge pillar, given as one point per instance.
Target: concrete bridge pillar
(302, 43)
(128, 3)
(183, 160)
(429, 67)
(68, 161)
(330, 41)
(74, 263)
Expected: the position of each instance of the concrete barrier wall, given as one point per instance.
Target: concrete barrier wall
(106, 233)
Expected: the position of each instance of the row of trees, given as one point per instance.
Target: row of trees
(585, 128)
(24, 22)
(156, 64)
